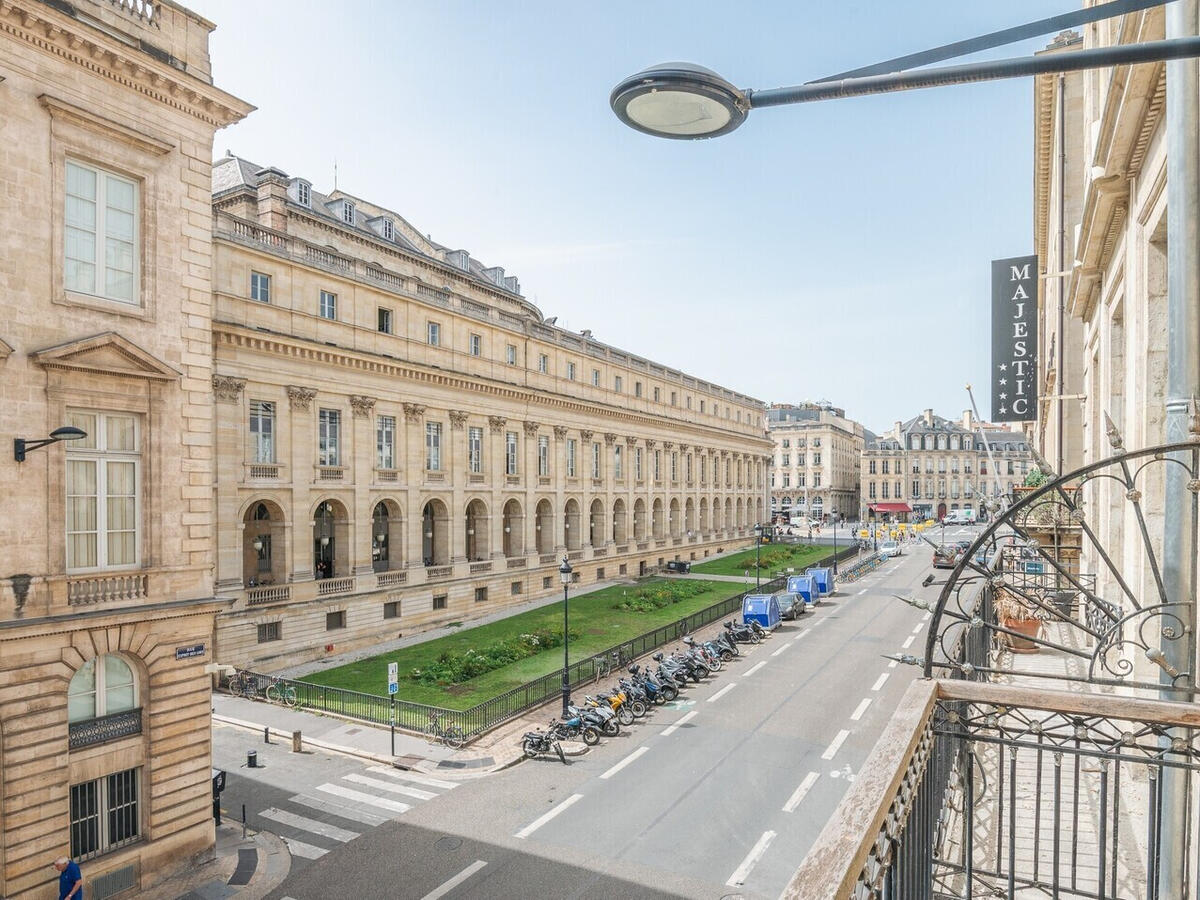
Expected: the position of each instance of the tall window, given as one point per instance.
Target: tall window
(389, 230)
(103, 488)
(476, 345)
(595, 460)
(347, 212)
(787, 460)
(104, 814)
(658, 465)
(571, 447)
(543, 363)
(510, 354)
(433, 334)
(674, 465)
(385, 321)
(475, 450)
(618, 462)
(787, 479)
(617, 383)
(327, 308)
(385, 442)
(303, 193)
(596, 377)
(657, 395)
(510, 453)
(703, 470)
(637, 463)
(688, 468)
(262, 431)
(543, 451)
(433, 446)
(329, 437)
(637, 389)
(260, 287)
(570, 371)
(101, 233)
(102, 686)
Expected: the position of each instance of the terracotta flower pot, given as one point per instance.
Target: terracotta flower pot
(1028, 629)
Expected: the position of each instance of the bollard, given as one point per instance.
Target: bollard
(251, 759)
(243, 821)
(266, 734)
(296, 742)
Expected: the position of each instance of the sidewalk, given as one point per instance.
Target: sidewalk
(248, 868)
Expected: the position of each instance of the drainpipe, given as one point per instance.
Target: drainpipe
(1183, 383)
(1060, 383)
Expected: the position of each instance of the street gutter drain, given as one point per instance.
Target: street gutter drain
(446, 844)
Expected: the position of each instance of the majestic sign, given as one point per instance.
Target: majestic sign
(1014, 339)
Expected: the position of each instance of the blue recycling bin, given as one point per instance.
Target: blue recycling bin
(761, 608)
(805, 587)
(823, 578)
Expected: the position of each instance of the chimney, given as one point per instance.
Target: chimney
(968, 423)
(897, 429)
(272, 198)
(928, 417)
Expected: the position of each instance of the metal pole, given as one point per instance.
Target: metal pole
(566, 687)
(835, 546)
(1183, 383)
(393, 724)
(757, 555)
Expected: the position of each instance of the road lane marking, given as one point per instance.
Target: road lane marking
(879, 681)
(742, 872)
(443, 889)
(798, 794)
(784, 647)
(754, 668)
(892, 664)
(308, 851)
(412, 776)
(802, 634)
(546, 817)
(917, 628)
(404, 789)
(863, 591)
(722, 692)
(686, 717)
(623, 763)
(927, 617)
(382, 802)
(306, 824)
(341, 810)
(859, 710)
(833, 748)
(908, 641)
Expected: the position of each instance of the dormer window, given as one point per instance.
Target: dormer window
(347, 212)
(303, 193)
(389, 230)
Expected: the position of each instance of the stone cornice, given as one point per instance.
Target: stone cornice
(76, 42)
(233, 335)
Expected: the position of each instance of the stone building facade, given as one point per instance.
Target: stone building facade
(107, 605)
(404, 440)
(929, 466)
(815, 459)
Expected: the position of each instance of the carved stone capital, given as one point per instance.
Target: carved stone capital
(497, 423)
(651, 443)
(683, 448)
(413, 412)
(609, 438)
(560, 432)
(458, 418)
(227, 387)
(585, 436)
(631, 442)
(531, 428)
(668, 445)
(361, 406)
(300, 398)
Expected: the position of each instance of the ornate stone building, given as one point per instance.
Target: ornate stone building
(929, 466)
(106, 596)
(815, 460)
(404, 440)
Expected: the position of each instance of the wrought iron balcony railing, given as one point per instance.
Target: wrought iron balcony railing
(103, 729)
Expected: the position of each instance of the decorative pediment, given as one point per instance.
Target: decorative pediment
(105, 354)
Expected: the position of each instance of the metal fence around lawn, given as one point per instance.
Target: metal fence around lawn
(484, 716)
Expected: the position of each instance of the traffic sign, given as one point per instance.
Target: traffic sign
(393, 677)
(1035, 567)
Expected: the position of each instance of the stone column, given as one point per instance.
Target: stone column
(303, 445)
(413, 467)
(361, 454)
(454, 465)
(228, 446)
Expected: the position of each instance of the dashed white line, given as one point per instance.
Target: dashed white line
(404, 775)
(927, 617)
(784, 647)
(863, 591)
(859, 710)
(308, 851)
(798, 794)
(742, 872)
(908, 641)
(686, 717)
(754, 668)
(832, 749)
(388, 786)
(546, 817)
(880, 681)
(892, 664)
(917, 628)
(801, 634)
(306, 824)
(446, 887)
(623, 763)
(722, 692)
(359, 797)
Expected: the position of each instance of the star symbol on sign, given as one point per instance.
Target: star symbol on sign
(1004, 396)
(1003, 367)
(1003, 381)
(1003, 410)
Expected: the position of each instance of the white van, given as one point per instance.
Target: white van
(960, 517)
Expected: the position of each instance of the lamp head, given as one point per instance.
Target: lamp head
(564, 571)
(679, 100)
(68, 433)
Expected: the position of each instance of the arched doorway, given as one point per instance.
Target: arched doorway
(656, 520)
(544, 527)
(477, 530)
(727, 521)
(387, 541)
(572, 533)
(618, 522)
(596, 524)
(435, 534)
(741, 514)
(514, 529)
(263, 544)
(675, 520)
(331, 558)
(704, 515)
(639, 519)
(689, 516)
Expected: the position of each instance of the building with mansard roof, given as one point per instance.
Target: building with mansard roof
(814, 462)
(405, 440)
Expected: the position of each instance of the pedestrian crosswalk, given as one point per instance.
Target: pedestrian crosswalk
(338, 811)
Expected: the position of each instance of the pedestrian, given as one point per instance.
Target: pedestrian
(70, 879)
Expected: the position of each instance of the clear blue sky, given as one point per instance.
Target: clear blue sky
(834, 251)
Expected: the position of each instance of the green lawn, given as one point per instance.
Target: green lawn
(773, 558)
(592, 616)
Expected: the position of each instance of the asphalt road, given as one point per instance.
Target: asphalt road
(718, 795)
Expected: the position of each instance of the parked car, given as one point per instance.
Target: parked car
(889, 549)
(963, 546)
(791, 605)
(945, 557)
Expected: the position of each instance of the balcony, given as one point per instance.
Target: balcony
(479, 568)
(258, 596)
(117, 588)
(103, 729)
(387, 476)
(388, 579)
(434, 573)
(263, 472)
(328, 587)
(518, 562)
(326, 474)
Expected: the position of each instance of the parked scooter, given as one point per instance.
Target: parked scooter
(576, 727)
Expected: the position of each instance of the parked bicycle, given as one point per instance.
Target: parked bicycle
(450, 735)
(283, 693)
(613, 661)
(246, 684)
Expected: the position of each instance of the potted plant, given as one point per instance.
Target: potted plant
(1019, 615)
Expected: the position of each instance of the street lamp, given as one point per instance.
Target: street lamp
(686, 101)
(758, 529)
(564, 573)
(67, 433)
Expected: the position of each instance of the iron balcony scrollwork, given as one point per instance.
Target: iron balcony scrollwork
(103, 729)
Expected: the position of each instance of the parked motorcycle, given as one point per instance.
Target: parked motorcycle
(535, 743)
(576, 727)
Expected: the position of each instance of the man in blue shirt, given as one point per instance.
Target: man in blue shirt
(70, 879)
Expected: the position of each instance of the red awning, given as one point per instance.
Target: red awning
(891, 507)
